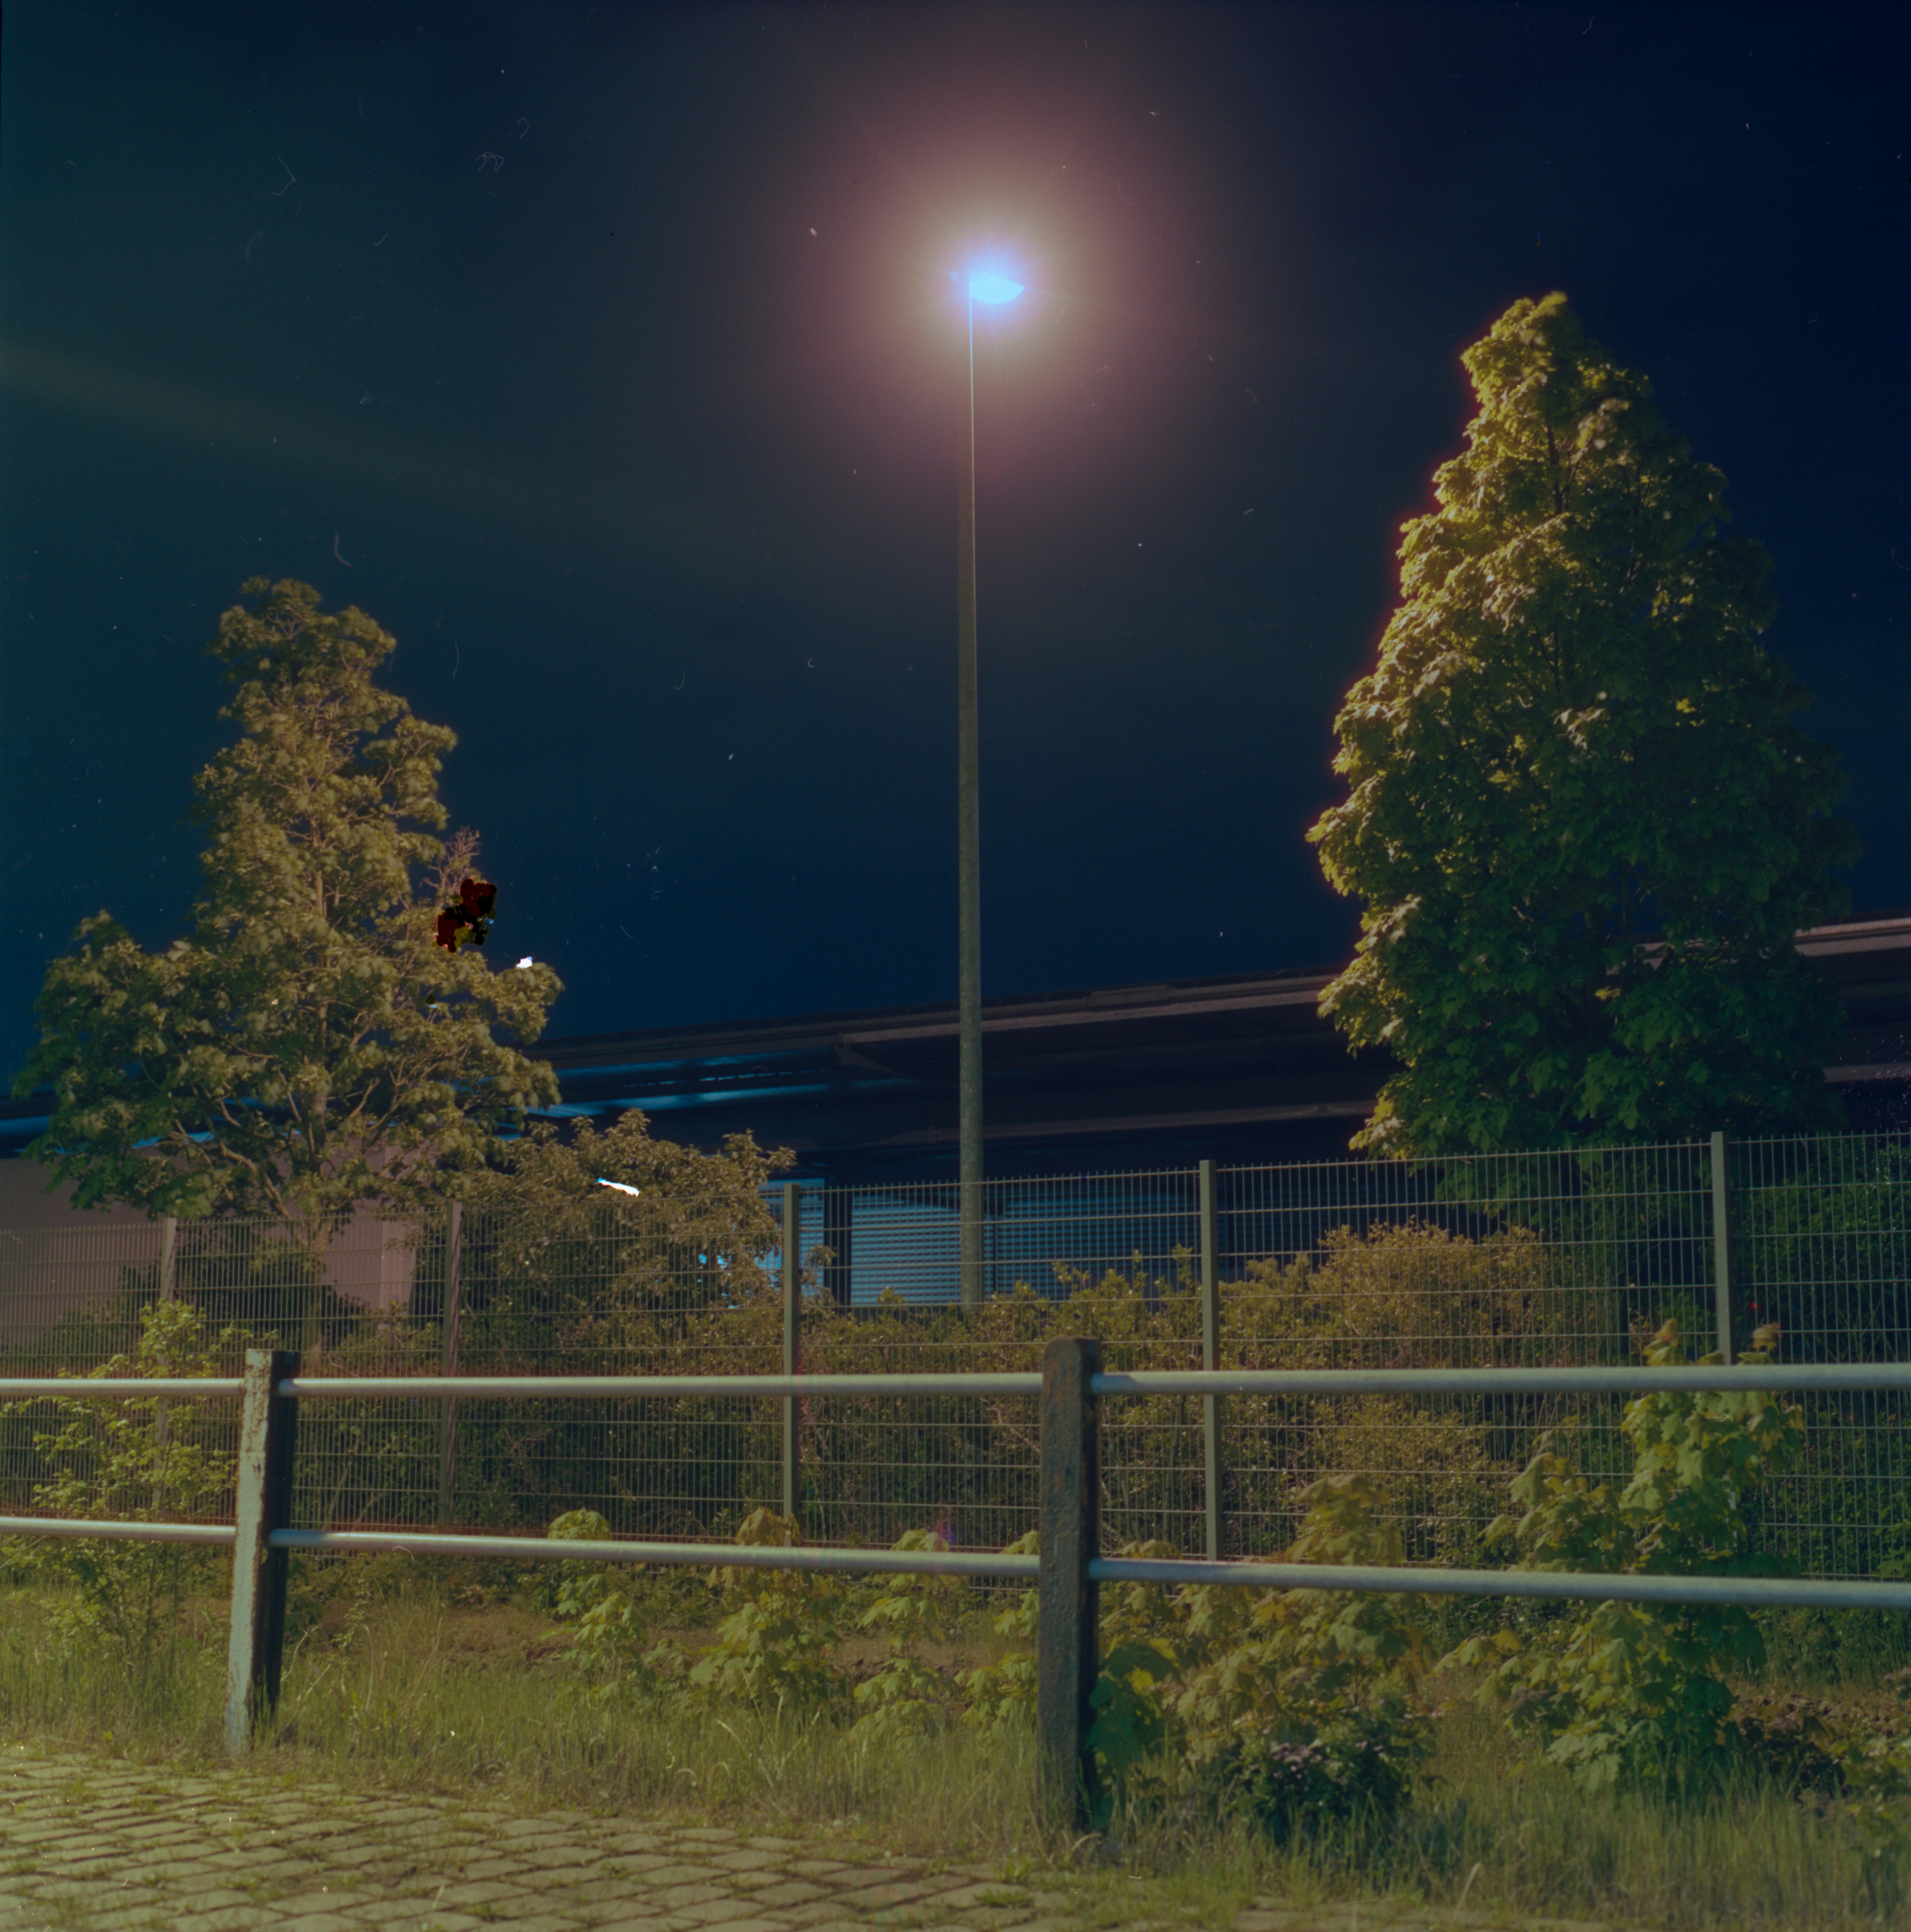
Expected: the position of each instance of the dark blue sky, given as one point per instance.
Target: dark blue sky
(612, 347)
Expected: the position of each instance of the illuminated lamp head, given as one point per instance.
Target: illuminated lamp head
(987, 285)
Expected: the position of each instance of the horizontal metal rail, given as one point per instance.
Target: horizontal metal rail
(1775, 1377)
(713, 1555)
(1767, 1591)
(102, 1386)
(630, 1388)
(1771, 1592)
(221, 1533)
(1688, 1378)
(1829, 1377)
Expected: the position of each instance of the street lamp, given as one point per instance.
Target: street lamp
(993, 289)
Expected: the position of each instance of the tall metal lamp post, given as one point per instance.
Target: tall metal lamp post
(992, 289)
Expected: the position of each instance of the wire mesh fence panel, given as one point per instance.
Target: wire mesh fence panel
(601, 1295)
(1548, 1259)
(1107, 1248)
(169, 1298)
(148, 1459)
(1820, 1245)
(60, 1304)
(1559, 1258)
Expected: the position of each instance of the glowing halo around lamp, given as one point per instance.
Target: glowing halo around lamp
(986, 285)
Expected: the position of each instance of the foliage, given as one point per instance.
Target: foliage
(611, 1641)
(1584, 823)
(906, 1697)
(696, 1466)
(1823, 1246)
(546, 1248)
(140, 1458)
(309, 1047)
(1406, 1295)
(999, 1697)
(773, 1647)
(1297, 1705)
(1632, 1692)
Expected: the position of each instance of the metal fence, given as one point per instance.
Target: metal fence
(1067, 1568)
(1557, 1258)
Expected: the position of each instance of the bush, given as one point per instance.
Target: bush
(1629, 1693)
(613, 1612)
(906, 1698)
(773, 1647)
(1297, 1706)
(139, 1459)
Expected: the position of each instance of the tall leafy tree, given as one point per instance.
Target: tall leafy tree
(309, 1047)
(675, 1227)
(1584, 821)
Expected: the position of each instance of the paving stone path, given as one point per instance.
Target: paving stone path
(93, 1845)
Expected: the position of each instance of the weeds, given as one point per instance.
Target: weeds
(458, 1695)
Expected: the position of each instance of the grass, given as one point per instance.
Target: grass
(446, 1681)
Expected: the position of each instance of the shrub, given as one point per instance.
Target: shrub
(140, 1459)
(1000, 1697)
(1630, 1693)
(773, 1647)
(609, 1641)
(904, 1697)
(1297, 1706)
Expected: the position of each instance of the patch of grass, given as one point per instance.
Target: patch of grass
(426, 1685)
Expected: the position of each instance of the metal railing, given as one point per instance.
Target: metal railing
(1068, 1569)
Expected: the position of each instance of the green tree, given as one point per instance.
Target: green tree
(548, 1241)
(1585, 824)
(309, 1047)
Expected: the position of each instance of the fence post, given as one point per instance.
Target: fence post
(792, 1317)
(169, 1237)
(1210, 1356)
(256, 1643)
(447, 1413)
(169, 1240)
(1067, 1654)
(1721, 1247)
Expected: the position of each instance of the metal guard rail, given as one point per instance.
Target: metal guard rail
(1067, 1571)
(1798, 1377)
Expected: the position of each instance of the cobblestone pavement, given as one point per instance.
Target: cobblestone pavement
(90, 1845)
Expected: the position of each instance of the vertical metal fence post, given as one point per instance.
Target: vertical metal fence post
(168, 1237)
(169, 1241)
(256, 1642)
(447, 1413)
(1721, 1247)
(1067, 1656)
(1210, 1357)
(792, 1317)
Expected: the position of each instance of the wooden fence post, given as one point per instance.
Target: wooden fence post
(1211, 1356)
(256, 1644)
(1067, 1652)
(448, 1409)
(792, 1319)
(1721, 1247)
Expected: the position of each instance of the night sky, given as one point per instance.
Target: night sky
(608, 357)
